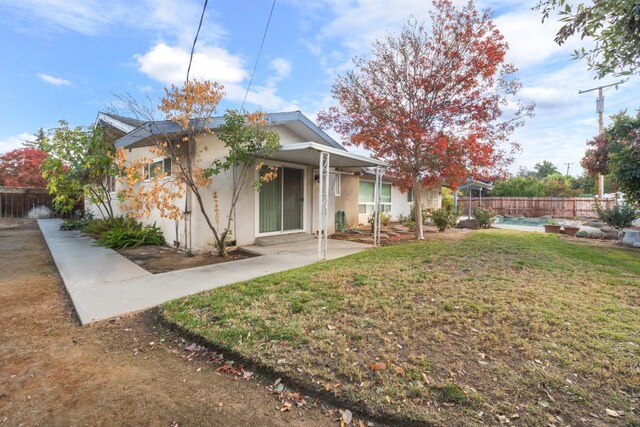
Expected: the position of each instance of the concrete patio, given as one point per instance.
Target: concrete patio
(103, 284)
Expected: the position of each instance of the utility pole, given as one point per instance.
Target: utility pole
(568, 164)
(600, 111)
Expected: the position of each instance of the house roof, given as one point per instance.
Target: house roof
(122, 123)
(293, 120)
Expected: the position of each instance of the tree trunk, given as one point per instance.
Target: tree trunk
(417, 205)
(222, 248)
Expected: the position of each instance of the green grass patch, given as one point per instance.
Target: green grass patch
(491, 323)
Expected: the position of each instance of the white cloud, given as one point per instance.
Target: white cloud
(281, 66)
(95, 17)
(548, 97)
(86, 17)
(14, 142)
(56, 81)
(169, 64)
(530, 41)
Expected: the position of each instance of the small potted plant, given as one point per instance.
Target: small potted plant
(552, 226)
(571, 229)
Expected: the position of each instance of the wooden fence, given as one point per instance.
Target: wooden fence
(562, 207)
(18, 202)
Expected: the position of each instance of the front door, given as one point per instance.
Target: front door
(280, 202)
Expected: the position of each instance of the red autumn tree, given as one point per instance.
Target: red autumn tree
(429, 101)
(21, 168)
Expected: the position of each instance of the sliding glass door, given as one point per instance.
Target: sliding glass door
(281, 202)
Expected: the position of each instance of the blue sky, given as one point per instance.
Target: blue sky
(64, 59)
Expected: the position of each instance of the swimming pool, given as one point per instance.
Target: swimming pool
(529, 222)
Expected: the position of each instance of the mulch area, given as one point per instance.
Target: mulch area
(161, 259)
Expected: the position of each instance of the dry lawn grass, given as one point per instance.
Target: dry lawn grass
(484, 328)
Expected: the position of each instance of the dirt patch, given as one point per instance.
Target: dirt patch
(392, 235)
(604, 243)
(130, 371)
(160, 259)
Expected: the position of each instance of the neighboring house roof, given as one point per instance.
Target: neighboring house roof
(124, 124)
(475, 185)
(294, 120)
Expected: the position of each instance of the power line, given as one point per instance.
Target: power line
(193, 47)
(264, 36)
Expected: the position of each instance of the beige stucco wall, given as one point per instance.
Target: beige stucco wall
(245, 225)
(168, 226)
(431, 199)
(348, 199)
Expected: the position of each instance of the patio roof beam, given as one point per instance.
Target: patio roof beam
(306, 153)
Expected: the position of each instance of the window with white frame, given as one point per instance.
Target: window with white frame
(337, 184)
(410, 196)
(158, 167)
(110, 183)
(366, 203)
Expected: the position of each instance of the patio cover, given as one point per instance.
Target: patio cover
(471, 185)
(306, 153)
(322, 156)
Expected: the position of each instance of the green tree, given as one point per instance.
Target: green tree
(615, 153)
(614, 25)
(545, 169)
(625, 170)
(559, 185)
(519, 186)
(585, 185)
(78, 164)
(621, 129)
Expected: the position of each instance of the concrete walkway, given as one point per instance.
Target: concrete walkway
(104, 284)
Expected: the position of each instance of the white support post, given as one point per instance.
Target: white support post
(323, 205)
(377, 190)
(379, 171)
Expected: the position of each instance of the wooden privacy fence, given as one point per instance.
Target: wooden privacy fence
(18, 202)
(563, 207)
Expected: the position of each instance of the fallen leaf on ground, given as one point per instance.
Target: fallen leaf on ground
(612, 413)
(378, 366)
(286, 407)
(399, 370)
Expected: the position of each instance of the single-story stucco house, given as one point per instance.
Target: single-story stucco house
(355, 196)
(292, 203)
